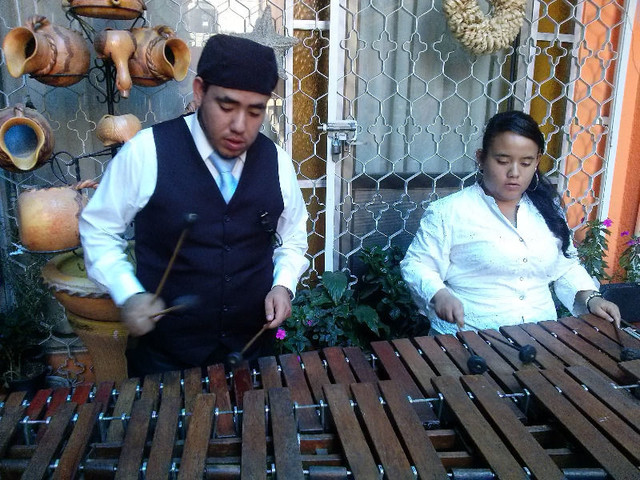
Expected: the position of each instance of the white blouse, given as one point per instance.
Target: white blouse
(500, 273)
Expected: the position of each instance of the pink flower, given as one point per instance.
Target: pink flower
(281, 333)
(309, 322)
(625, 233)
(607, 223)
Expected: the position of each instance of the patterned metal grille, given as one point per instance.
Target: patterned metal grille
(419, 99)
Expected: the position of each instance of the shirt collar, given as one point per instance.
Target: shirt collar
(202, 144)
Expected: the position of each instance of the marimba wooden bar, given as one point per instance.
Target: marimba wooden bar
(411, 409)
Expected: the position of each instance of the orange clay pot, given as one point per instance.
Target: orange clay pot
(119, 46)
(48, 217)
(112, 9)
(116, 129)
(53, 55)
(160, 56)
(26, 139)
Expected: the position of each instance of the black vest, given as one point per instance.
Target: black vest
(226, 259)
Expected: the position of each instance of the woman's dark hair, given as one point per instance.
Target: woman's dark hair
(542, 193)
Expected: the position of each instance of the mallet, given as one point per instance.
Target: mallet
(235, 358)
(526, 353)
(189, 220)
(181, 303)
(475, 363)
(626, 353)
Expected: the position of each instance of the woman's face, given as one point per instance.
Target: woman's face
(508, 166)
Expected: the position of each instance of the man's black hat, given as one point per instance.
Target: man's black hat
(238, 63)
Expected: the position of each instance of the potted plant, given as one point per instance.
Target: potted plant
(329, 315)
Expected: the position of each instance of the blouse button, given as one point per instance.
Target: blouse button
(521, 297)
(522, 279)
(522, 240)
(524, 260)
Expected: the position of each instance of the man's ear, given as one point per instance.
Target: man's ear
(479, 158)
(199, 90)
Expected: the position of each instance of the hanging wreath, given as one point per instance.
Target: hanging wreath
(480, 33)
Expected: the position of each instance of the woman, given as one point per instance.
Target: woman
(485, 256)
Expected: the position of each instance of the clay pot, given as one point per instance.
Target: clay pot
(48, 217)
(160, 56)
(26, 139)
(116, 129)
(113, 9)
(91, 313)
(119, 46)
(53, 55)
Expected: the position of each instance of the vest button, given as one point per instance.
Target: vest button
(227, 218)
(227, 278)
(227, 248)
(225, 308)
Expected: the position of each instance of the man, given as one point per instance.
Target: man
(243, 254)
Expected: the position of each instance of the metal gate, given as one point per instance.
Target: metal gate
(381, 108)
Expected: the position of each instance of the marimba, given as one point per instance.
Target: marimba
(410, 409)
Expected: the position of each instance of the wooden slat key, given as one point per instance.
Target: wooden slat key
(195, 446)
(254, 443)
(135, 439)
(285, 445)
(308, 420)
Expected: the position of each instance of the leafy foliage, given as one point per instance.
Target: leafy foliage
(383, 288)
(592, 249)
(630, 259)
(329, 315)
(23, 323)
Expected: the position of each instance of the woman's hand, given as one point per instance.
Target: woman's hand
(605, 309)
(448, 307)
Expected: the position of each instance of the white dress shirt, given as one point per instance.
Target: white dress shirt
(125, 189)
(501, 273)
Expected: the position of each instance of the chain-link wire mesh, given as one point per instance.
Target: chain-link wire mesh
(419, 99)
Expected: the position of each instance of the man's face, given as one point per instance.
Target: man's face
(231, 119)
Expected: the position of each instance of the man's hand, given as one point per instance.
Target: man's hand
(139, 313)
(277, 306)
(448, 307)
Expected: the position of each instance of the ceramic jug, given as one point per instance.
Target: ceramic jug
(52, 54)
(48, 217)
(119, 46)
(116, 129)
(26, 139)
(112, 9)
(160, 56)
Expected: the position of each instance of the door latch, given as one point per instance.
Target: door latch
(342, 133)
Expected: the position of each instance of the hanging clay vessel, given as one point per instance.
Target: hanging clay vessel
(91, 313)
(112, 9)
(48, 217)
(119, 46)
(51, 54)
(160, 56)
(116, 129)
(26, 139)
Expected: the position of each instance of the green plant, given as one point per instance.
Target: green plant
(593, 248)
(383, 288)
(630, 258)
(329, 315)
(23, 321)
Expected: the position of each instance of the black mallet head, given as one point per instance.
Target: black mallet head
(527, 353)
(627, 354)
(476, 364)
(234, 359)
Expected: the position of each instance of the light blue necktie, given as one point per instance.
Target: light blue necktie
(227, 182)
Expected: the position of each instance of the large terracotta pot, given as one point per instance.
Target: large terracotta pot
(160, 56)
(48, 217)
(91, 313)
(113, 9)
(119, 46)
(52, 54)
(116, 129)
(26, 139)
